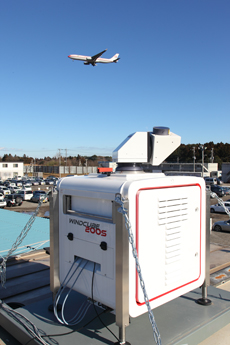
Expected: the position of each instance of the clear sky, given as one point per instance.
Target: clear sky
(174, 71)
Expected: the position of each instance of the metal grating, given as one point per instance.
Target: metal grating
(172, 211)
(171, 214)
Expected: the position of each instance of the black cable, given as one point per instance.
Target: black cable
(96, 308)
(75, 330)
(62, 334)
(34, 328)
(67, 333)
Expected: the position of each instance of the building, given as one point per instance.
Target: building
(226, 172)
(197, 169)
(11, 169)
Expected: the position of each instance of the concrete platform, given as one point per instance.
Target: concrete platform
(221, 337)
(219, 255)
(181, 321)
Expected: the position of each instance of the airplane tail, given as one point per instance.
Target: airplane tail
(115, 58)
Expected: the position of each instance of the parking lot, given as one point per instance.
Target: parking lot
(219, 238)
(29, 206)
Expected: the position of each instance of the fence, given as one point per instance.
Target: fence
(69, 170)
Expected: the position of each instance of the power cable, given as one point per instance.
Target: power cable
(78, 317)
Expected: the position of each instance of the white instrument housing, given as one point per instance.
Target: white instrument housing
(168, 219)
(147, 147)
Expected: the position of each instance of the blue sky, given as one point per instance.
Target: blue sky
(174, 71)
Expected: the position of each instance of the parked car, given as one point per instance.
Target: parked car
(218, 190)
(2, 200)
(222, 225)
(35, 183)
(41, 182)
(17, 182)
(27, 183)
(9, 184)
(4, 190)
(226, 190)
(219, 208)
(49, 182)
(25, 194)
(210, 180)
(38, 195)
(26, 188)
(13, 200)
(208, 188)
(51, 179)
(14, 189)
(2, 204)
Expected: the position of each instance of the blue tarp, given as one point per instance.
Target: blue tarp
(11, 225)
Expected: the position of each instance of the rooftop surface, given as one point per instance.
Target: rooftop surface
(28, 283)
(180, 321)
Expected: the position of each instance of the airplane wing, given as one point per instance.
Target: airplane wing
(95, 57)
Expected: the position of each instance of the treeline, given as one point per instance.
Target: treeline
(185, 153)
(51, 161)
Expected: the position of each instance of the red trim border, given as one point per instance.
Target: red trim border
(137, 239)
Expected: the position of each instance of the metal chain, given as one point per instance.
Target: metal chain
(19, 240)
(24, 322)
(221, 202)
(123, 211)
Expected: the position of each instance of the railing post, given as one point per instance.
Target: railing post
(204, 300)
(122, 274)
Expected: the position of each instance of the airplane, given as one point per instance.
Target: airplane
(94, 59)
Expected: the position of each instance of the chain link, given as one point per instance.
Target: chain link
(123, 211)
(221, 202)
(19, 240)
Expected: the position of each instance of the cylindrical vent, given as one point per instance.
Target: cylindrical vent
(161, 130)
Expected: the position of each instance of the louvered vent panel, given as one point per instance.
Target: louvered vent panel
(171, 215)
